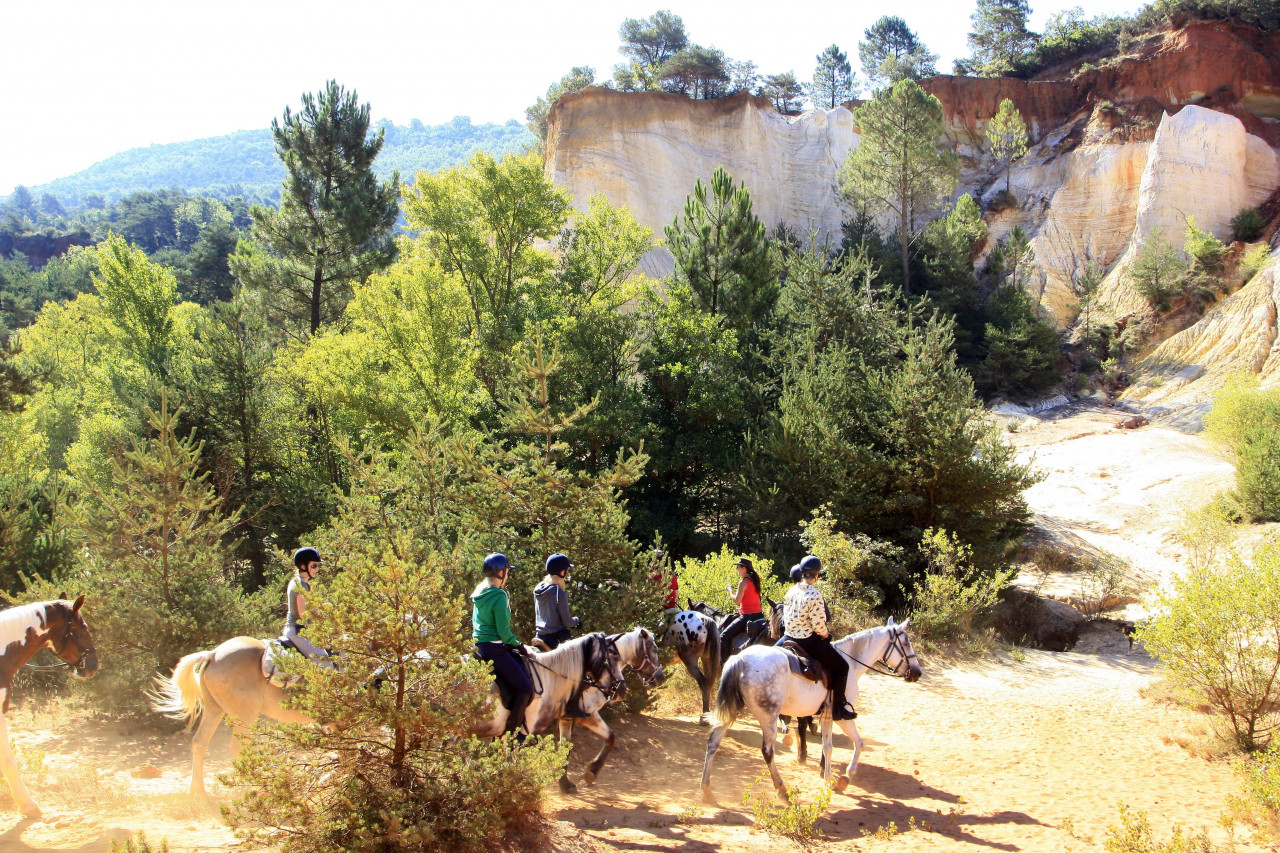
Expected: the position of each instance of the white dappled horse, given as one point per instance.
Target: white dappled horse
(759, 680)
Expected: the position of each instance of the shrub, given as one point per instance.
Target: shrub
(953, 597)
(1157, 271)
(1259, 804)
(794, 821)
(1134, 835)
(1247, 225)
(138, 843)
(1218, 636)
(1207, 252)
(858, 571)
(1246, 420)
(705, 579)
(1253, 262)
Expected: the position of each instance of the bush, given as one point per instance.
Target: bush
(1253, 262)
(858, 571)
(1218, 636)
(1134, 835)
(1157, 271)
(138, 843)
(953, 598)
(1207, 252)
(1247, 225)
(794, 821)
(396, 770)
(1259, 805)
(704, 580)
(1246, 420)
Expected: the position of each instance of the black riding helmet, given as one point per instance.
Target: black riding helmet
(304, 555)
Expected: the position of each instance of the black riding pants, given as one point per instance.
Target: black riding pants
(554, 638)
(821, 650)
(730, 632)
(511, 672)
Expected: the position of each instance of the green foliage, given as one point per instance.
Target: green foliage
(1248, 224)
(1207, 253)
(1069, 37)
(998, 38)
(721, 252)
(1157, 271)
(1259, 802)
(794, 821)
(482, 222)
(954, 597)
(892, 52)
(396, 770)
(858, 572)
(1007, 137)
(138, 843)
(898, 167)
(1246, 421)
(578, 78)
(784, 92)
(333, 226)
(833, 82)
(1021, 349)
(34, 538)
(138, 297)
(156, 564)
(705, 580)
(1254, 261)
(1218, 636)
(1135, 835)
(647, 43)
(697, 71)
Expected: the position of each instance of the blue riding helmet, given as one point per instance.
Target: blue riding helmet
(795, 573)
(810, 565)
(558, 564)
(306, 554)
(495, 563)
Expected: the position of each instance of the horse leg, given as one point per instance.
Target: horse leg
(768, 737)
(691, 663)
(21, 796)
(787, 738)
(210, 719)
(850, 728)
(596, 725)
(566, 734)
(802, 747)
(713, 744)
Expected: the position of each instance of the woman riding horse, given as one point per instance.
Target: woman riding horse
(495, 642)
(747, 597)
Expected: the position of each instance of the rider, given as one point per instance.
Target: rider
(495, 642)
(806, 619)
(551, 603)
(747, 597)
(306, 565)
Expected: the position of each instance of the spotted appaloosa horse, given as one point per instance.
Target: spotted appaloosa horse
(697, 642)
(25, 630)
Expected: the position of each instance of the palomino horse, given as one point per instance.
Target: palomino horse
(697, 642)
(590, 666)
(760, 681)
(25, 630)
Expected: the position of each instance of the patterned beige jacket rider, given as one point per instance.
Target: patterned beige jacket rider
(804, 612)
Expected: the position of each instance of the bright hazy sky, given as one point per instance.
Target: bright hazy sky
(85, 79)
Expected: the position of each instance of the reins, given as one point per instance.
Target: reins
(895, 643)
(66, 638)
(587, 679)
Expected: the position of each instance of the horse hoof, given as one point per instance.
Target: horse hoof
(704, 721)
(841, 784)
(708, 798)
(802, 761)
(589, 778)
(788, 739)
(31, 810)
(784, 796)
(568, 787)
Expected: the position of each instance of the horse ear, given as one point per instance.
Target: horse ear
(62, 596)
(75, 608)
(904, 622)
(690, 600)
(890, 621)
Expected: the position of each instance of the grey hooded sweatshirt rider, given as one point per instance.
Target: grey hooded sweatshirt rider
(552, 606)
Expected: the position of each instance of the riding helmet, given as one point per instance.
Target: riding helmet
(495, 563)
(795, 573)
(558, 564)
(810, 565)
(304, 555)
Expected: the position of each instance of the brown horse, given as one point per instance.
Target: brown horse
(25, 630)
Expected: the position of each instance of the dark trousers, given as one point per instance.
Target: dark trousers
(821, 650)
(730, 632)
(511, 672)
(555, 638)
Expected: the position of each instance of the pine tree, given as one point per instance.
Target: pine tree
(784, 91)
(648, 43)
(721, 251)
(832, 79)
(1007, 136)
(898, 166)
(334, 224)
(578, 78)
(892, 52)
(998, 38)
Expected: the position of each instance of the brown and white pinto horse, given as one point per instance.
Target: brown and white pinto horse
(24, 631)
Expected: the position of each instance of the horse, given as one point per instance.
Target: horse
(25, 630)
(591, 666)
(754, 635)
(697, 642)
(760, 681)
(638, 650)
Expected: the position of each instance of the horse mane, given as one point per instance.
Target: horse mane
(570, 660)
(859, 641)
(17, 621)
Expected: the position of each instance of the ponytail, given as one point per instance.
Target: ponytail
(754, 576)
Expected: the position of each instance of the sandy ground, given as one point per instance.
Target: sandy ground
(998, 754)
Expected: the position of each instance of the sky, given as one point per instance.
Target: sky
(87, 79)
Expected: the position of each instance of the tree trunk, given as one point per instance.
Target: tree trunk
(903, 235)
(315, 296)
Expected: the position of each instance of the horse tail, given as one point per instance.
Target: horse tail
(729, 700)
(713, 637)
(181, 696)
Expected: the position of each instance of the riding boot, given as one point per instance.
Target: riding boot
(519, 704)
(573, 707)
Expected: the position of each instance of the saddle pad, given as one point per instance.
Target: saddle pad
(272, 646)
(804, 666)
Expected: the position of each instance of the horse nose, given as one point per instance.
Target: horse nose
(89, 668)
(914, 674)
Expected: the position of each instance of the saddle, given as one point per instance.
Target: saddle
(505, 694)
(804, 666)
(272, 647)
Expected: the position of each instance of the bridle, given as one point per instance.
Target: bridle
(589, 679)
(898, 643)
(647, 670)
(79, 665)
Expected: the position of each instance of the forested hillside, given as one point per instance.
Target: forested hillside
(244, 163)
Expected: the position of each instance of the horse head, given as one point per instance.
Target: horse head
(900, 653)
(639, 650)
(707, 610)
(603, 667)
(776, 626)
(69, 636)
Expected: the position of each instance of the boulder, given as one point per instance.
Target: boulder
(1026, 618)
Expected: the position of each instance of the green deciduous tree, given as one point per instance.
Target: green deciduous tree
(1007, 138)
(832, 79)
(898, 168)
(1246, 421)
(998, 38)
(648, 43)
(578, 78)
(482, 222)
(892, 52)
(139, 297)
(721, 252)
(333, 226)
